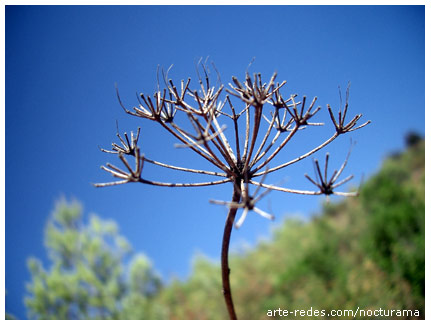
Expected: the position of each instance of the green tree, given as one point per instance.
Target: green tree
(87, 278)
(144, 285)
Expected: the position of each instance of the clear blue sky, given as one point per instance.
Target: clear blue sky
(61, 67)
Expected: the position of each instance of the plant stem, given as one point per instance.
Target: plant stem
(225, 252)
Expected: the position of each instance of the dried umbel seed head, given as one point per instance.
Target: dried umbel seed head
(208, 121)
(340, 127)
(244, 157)
(128, 147)
(326, 187)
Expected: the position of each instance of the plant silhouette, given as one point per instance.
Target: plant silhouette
(236, 162)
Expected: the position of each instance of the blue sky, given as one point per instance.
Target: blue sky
(61, 67)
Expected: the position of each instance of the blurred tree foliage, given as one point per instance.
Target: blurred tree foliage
(366, 252)
(87, 279)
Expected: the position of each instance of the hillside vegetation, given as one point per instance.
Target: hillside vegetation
(366, 252)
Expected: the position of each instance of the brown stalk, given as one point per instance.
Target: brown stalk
(225, 271)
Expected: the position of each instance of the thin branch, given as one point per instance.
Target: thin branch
(199, 184)
(329, 140)
(185, 169)
(189, 140)
(203, 138)
(262, 144)
(292, 191)
(274, 140)
(204, 154)
(277, 150)
(222, 144)
(224, 141)
(247, 132)
(256, 125)
(107, 184)
(235, 122)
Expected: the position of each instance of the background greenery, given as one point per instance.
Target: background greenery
(367, 251)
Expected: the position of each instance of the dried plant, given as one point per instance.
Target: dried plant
(237, 162)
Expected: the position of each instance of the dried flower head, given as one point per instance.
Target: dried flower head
(128, 147)
(240, 156)
(326, 186)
